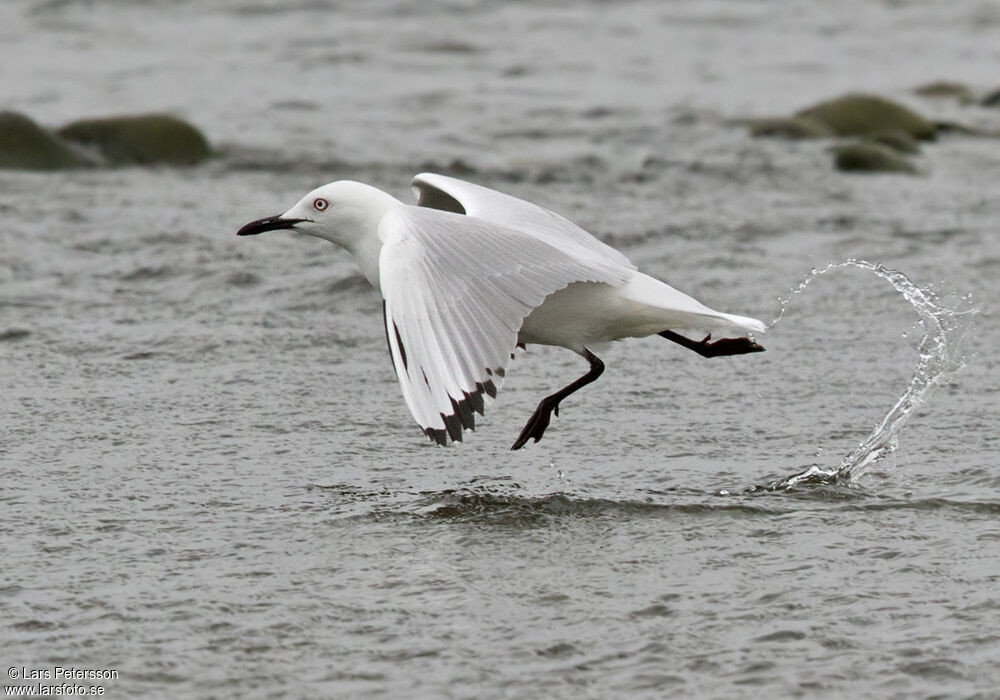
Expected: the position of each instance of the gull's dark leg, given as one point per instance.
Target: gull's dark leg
(539, 420)
(719, 348)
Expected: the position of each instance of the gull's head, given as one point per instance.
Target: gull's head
(343, 212)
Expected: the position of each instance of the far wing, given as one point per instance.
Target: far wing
(456, 291)
(451, 194)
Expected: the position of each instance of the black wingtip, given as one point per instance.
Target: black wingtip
(464, 412)
(463, 415)
(437, 435)
(453, 426)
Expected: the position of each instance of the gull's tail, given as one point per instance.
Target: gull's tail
(674, 309)
(744, 322)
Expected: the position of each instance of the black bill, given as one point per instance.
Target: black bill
(270, 223)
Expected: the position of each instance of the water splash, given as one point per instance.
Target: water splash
(939, 356)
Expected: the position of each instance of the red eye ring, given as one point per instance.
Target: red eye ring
(320, 204)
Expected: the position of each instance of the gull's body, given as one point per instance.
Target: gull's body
(468, 274)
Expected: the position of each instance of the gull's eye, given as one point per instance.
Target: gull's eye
(320, 204)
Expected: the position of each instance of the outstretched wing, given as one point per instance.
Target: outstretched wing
(451, 194)
(456, 290)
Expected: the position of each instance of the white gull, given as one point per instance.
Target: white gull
(469, 274)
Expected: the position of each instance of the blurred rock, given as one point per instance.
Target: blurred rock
(991, 99)
(24, 145)
(790, 128)
(949, 127)
(151, 139)
(870, 157)
(861, 115)
(899, 141)
(14, 334)
(946, 89)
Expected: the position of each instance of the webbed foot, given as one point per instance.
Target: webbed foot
(536, 425)
(718, 348)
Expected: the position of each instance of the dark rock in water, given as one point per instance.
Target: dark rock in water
(899, 141)
(991, 99)
(24, 145)
(862, 115)
(946, 89)
(870, 157)
(790, 128)
(13, 334)
(150, 139)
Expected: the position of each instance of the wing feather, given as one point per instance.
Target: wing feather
(451, 194)
(457, 289)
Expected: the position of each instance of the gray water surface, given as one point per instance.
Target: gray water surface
(211, 481)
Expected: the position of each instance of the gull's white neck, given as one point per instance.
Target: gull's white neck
(366, 250)
(352, 223)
